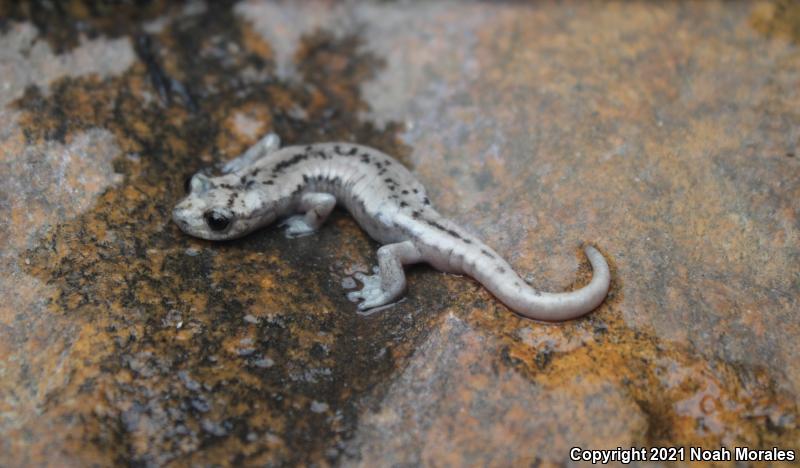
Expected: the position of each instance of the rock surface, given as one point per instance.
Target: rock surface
(667, 135)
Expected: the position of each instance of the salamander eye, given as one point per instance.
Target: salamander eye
(216, 220)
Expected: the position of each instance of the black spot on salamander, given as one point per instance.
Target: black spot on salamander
(404, 192)
(249, 184)
(443, 229)
(389, 180)
(309, 148)
(243, 180)
(501, 269)
(415, 214)
(227, 186)
(255, 172)
(298, 189)
(382, 172)
(289, 162)
(487, 253)
(232, 199)
(426, 201)
(352, 151)
(415, 191)
(338, 150)
(403, 204)
(537, 293)
(467, 241)
(305, 178)
(268, 182)
(365, 158)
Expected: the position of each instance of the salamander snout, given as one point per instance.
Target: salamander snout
(188, 216)
(181, 216)
(199, 219)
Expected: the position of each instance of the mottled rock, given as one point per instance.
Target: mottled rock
(667, 135)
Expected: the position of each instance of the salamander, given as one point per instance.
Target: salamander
(302, 184)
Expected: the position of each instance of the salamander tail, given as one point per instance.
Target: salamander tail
(552, 307)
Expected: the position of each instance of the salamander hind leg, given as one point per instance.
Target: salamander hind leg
(390, 281)
(317, 207)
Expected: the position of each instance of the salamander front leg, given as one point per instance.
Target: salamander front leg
(269, 144)
(317, 206)
(389, 283)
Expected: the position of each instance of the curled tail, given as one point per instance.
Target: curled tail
(550, 307)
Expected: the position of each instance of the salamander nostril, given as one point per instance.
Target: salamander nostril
(179, 216)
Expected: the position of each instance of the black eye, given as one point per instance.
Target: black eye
(217, 221)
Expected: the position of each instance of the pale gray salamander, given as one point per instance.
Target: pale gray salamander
(268, 182)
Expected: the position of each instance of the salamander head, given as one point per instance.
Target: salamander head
(216, 210)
